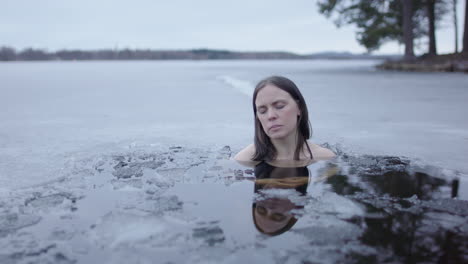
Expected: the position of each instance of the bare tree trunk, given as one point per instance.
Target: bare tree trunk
(431, 17)
(408, 28)
(465, 30)
(455, 24)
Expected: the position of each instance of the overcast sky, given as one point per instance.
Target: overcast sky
(255, 25)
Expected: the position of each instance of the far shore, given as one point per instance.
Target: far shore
(455, 62)
(30, 54)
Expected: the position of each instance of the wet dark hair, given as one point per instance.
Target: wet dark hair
(264, 171)
(264, 148)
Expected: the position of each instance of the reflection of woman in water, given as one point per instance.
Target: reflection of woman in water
(272, 214)
(282, 127)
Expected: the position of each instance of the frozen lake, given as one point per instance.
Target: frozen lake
(54, 112)
(115, 162)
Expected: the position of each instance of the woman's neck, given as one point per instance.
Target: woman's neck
(285, 147)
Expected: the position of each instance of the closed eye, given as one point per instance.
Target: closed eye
(280, 106)
(261, 110)
(261, 210)
(277, 217)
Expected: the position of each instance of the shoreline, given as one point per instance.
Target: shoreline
(456, 62)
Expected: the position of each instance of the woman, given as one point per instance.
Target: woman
(282, 127)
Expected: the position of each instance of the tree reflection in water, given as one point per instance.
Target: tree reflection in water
(404, 220)
(409, 215)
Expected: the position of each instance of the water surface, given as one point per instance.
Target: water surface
(117, 162)
(185, 205)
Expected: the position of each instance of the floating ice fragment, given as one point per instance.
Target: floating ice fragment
(14, 221)
(211, 234)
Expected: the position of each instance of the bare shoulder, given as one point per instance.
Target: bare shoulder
(245, 156)
(320, 153)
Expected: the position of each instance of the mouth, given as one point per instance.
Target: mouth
(274, 127)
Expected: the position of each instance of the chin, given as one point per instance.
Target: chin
(277, 135)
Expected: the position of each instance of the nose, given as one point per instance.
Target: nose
(272, 115)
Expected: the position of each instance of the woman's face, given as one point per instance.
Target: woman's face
(277, 111)
(273, 214)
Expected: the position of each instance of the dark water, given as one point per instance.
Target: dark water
(182, 205)
(410, 216)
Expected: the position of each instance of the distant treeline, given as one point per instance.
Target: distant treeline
(30, 54)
